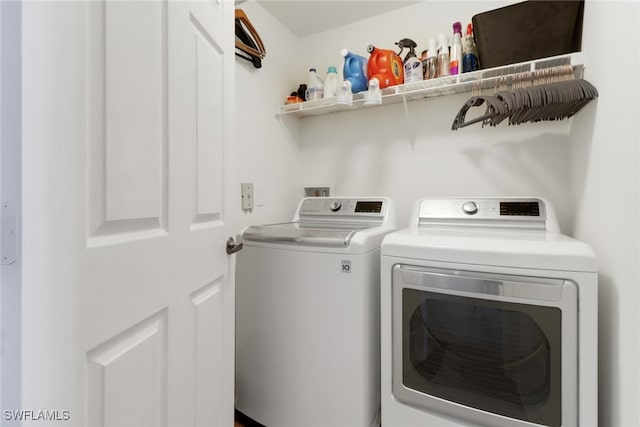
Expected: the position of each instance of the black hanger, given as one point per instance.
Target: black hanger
(248, 43)
(546, 102)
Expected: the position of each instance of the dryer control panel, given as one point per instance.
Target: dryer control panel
(506, 212)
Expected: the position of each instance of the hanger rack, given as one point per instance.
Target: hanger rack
(443, 86)
(542, 95)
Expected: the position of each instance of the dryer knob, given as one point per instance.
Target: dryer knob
(470, 208)
(335, 206)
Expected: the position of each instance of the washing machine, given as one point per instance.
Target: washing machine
(488, 318)
(307, 315)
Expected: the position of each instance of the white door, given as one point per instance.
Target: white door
(128, 297)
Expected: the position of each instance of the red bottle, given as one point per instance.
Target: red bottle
(386, 66)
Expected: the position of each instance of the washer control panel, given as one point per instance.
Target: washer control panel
(331, 206)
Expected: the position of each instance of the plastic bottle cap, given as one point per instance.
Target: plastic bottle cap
(312, 69)
(332, 70)
(457, 27)
(469, 29)
(432, 52)
(443, 42)
(344, 52)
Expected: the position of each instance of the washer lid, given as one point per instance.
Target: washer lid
(305, 233)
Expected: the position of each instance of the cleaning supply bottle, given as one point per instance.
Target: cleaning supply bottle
(469, 52)
(412, 65)
(331, 83)
(423, 59)
(385, 66)
(455, 59)
(314, 86)
(355, 70)
(443, 56)
(431, 66)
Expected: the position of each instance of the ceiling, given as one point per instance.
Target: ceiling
(306, 17)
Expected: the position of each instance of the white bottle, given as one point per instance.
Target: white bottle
(443, 55)
(431, 65)
(314, 86)
(331, 83)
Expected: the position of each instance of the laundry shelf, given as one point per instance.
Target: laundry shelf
(449, 85)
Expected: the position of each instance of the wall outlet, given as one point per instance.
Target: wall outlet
(318, 191)
(246, 194)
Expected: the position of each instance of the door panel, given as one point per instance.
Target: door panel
(208, 307)
(207, 200)
(135, 99)
(127, 105)
(115, 396)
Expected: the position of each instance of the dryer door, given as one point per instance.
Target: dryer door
(493, 349)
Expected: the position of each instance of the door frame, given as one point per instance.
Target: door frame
(10, 195)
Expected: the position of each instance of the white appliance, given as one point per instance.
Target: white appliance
(488, 318)
(307, 315)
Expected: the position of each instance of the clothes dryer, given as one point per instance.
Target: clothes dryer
(488, 318)
(307, 315)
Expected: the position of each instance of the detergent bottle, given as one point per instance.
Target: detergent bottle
(385, 66)
(355, 70)
(314, 86)
(412, 65)
(331, 83)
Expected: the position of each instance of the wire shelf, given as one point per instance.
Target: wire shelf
(449, 85)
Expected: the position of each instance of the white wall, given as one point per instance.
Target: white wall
(605, 199)
(377, 151)
(266, 151)
(587, 167)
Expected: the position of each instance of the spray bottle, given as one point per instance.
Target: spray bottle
(385, 66)
(431, 64)
(443, 56)
(469, 52)
(412, 65)
(455, 61)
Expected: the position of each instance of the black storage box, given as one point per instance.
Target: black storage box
(528, 30)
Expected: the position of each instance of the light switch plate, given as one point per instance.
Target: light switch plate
(246, 193)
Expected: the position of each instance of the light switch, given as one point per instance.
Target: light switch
(246, 194)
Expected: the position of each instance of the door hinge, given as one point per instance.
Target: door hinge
(8, 233)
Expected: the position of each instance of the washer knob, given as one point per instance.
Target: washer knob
(335, 206)
(470, 208)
